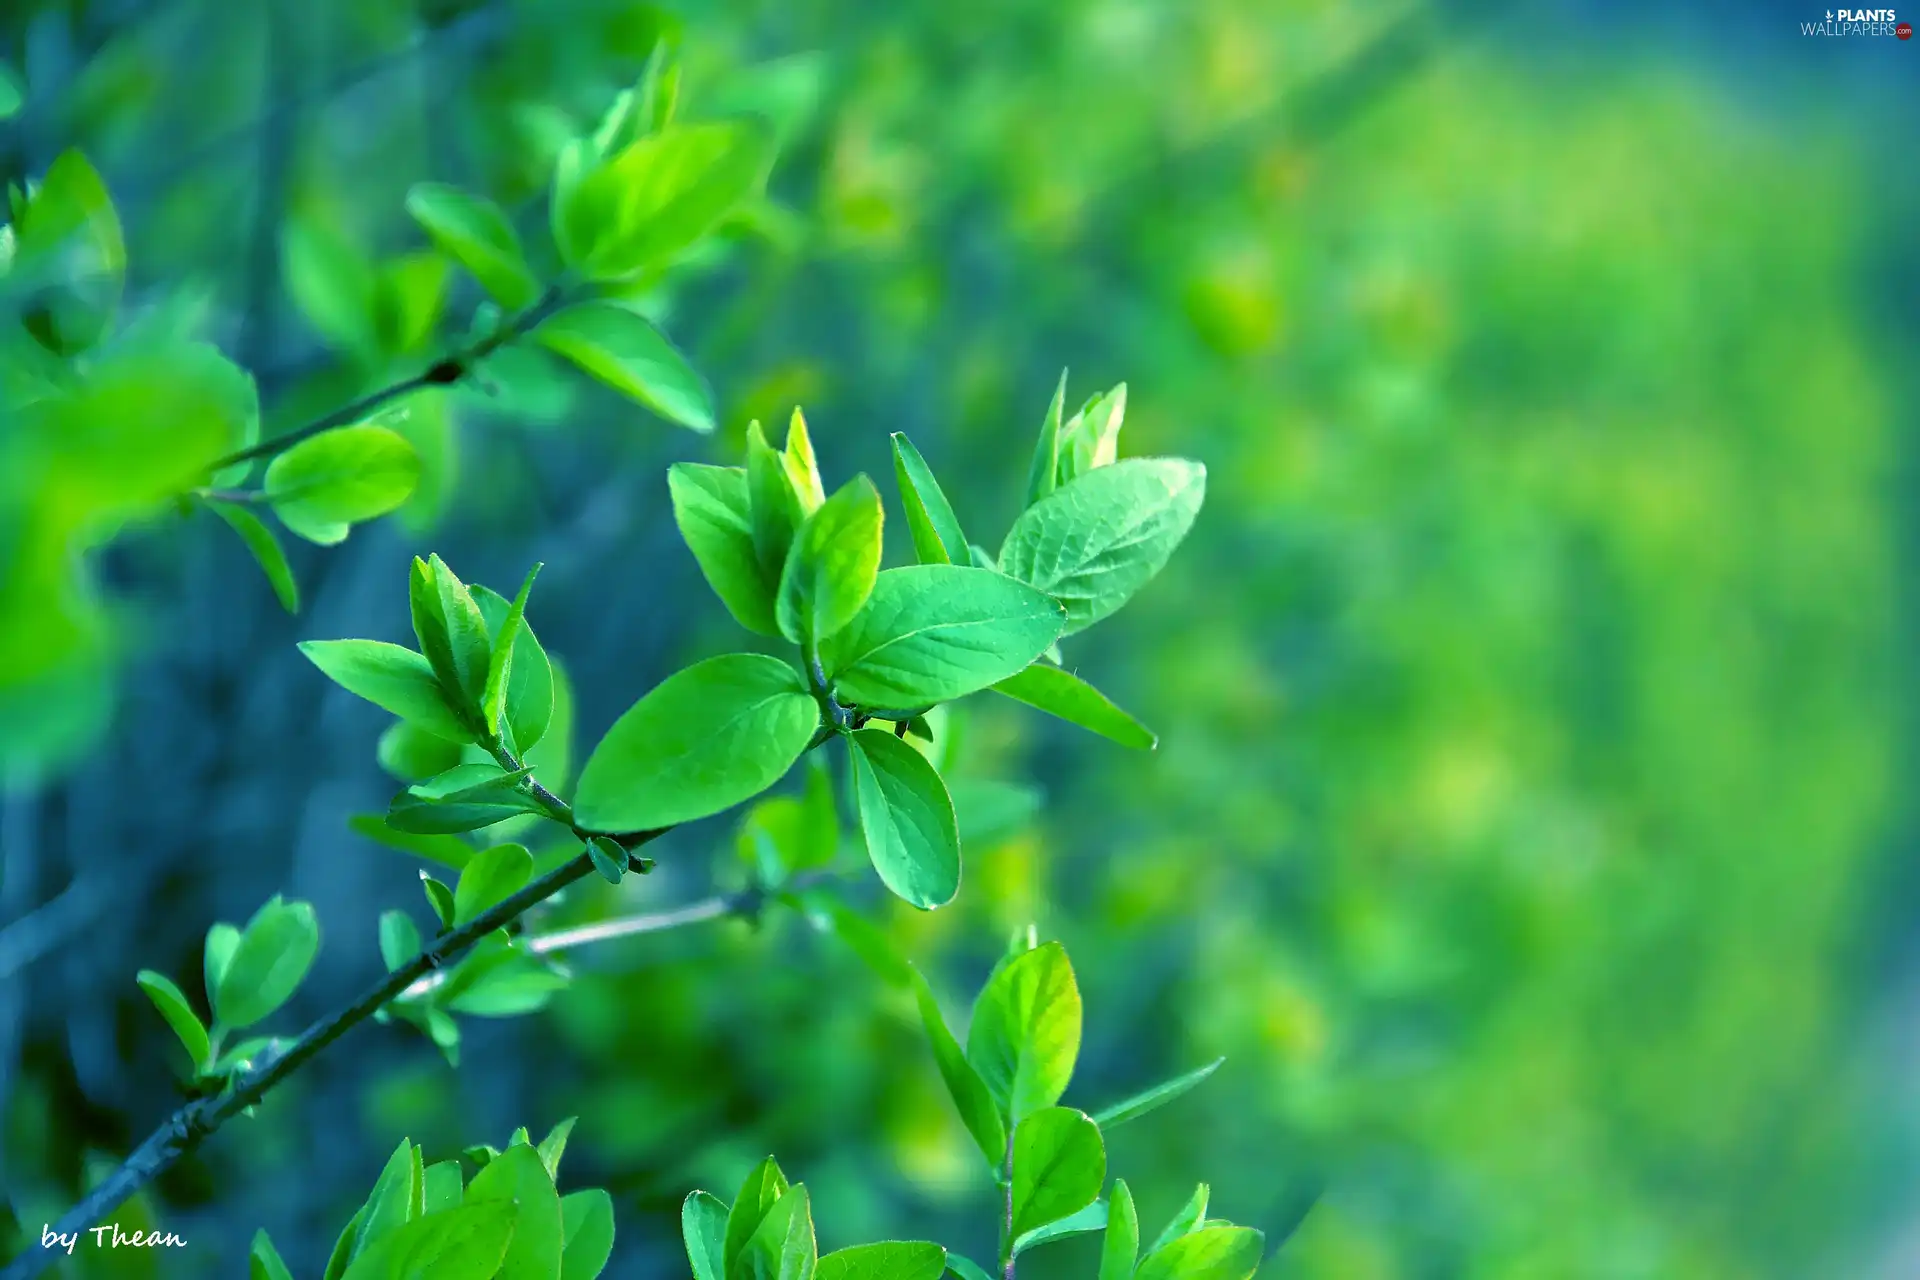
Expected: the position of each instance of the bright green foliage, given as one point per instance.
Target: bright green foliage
(271, 959)
(476, 234)
(1043, 476)
(399, 938)
(1094, 542)
(532, 691)
(979, 1110)
(464, 798)
(1153, 1099)
(1186, 1220)
(703, 1225)
(173, 1006)
(517, 1176)
(1210, 1253)
(832, 564)
(609, 859)
(1120, 1248)
(886, 1260)
(263, 1260)
(622, 349)
(932, 633)
(322, 487)
(774, 503)
(1091, 438)
(1079, 1223)
(712, 507)
(759, 1194)
(1025, 1033)
(802, 467)
(493, 701)
(703, 740)
(1059, 1166)
(907, 818)
(453, 635)
(1063, 694)
(937, 538)
(494, 875)
(392, 678)
(783, 1246)
(587, 1234)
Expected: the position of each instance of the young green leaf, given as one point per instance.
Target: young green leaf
(440, 898)
(1043, 476)
(1155, 1098)
(464, 798)
(442, 1187)
(715, 515)
(391, 678)
(476, 234)
(971, 1097)
(333, 284)
(69, 230)
(465, 1243)
(759, 1195)
(1192, 1215)
(1092, 544)
(222, 941)
(449, 851)
(1063, 694)
(703, 1225)
(322, 487)
(266, 551)
(802, 467)
(587, 1220)
(1085, 1222)
(1092, 439)
(554, 1145)
(937, 538)
(399, 938)
(263, 1260)
(535, 694)
(453, 633)
(609, 859)
(931, 633)
(493, 700)
(886, 1260)
(517, 1175)
(703, 740)
(832, 564)
(390, 1205)
(783, 1248)
(662, 193)
(907, 819)
(173, 1006)
(1121, 1248)
(13, 92)
(1059, 1166)
(1025, 1033)
(775, 506)
(1211, 1253)
(411, 754)
(275, 951)
(493, 876)
(966, 1268)
(620, 348)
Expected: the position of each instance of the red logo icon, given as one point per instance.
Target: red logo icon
(1904, 31)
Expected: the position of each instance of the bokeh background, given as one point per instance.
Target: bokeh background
(1531, 828)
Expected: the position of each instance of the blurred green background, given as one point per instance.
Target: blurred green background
(1529, 828)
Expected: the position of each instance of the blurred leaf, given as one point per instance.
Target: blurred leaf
(475, 233)
(623, 350)
(440, 898)
(323, 486)
(13, 92)
(411, 754)
(703, 740)
(223, 940)
(399, 939)
(266, 551)
(1063, 694)
(966, 1268)
(449, 851)
(971, 1096)
(1025, 1033)
(334, 285)
(989, 810)
(69, 238)
(263, 1260)
(1059, 1166)
(907, 819)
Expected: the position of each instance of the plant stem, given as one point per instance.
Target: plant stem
(1006, 1223)
(443, 372)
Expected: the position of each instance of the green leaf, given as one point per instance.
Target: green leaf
(937, 538)
(703, 740)
(907, 819)
(1063, 694)
(1155, 1098)
(715, 515)
(1192, 1215)
(263, 1260)
(931, 633)
(1025, 1033)
(775, 505)
(1121, 1247)
(440, 898)
(971, 1097)
(759, 1195)
(222, 941)
(966, 1268)
(554, 1145)
(465, 798)
(886, 1260)
(399, 939)
(13, 92)
(492, 877)
(623, 350)
(442, 1187)
(1095, 542)
(275, 951)
(391, 678)
(661, 194)
(390, 1205)
(343, 1246)
(476, 234)
(453, 634)
(323, 486)
(69, 228)
(332, 283)
(703, 1225)
(466, 1243)
(862, 937)
(1211, 1253)
(1043, 476)
(1092, 438)
(266, 551)
(608, 857)
(449, 851)
(411, 754)
(802, 467)
(535, 694)
(587, 1218)
(1059, 1166)
(989, 809)
(1085, 1222)
(493, 701)
(517, 1175)
(173, 1006)
(831, 568)
(783, 1248)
